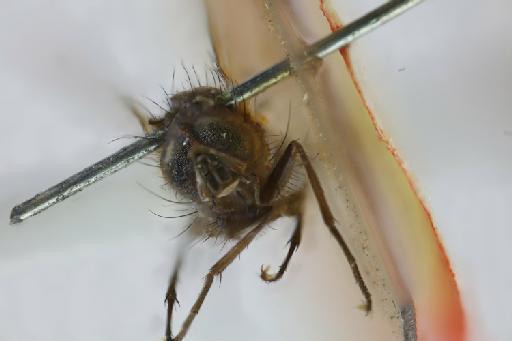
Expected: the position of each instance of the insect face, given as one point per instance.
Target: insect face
(215, 156)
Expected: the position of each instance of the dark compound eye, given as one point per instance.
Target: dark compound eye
(222, 137)
(181, 167)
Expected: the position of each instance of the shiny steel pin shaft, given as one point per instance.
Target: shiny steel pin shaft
(322, 48)
(253, 86)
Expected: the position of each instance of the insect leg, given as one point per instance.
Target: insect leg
(294, 245)
(216, 270)
(293, 149)
(171, 299)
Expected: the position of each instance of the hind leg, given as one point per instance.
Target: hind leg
(278, 176)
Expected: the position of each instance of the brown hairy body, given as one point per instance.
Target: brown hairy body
(217, 157)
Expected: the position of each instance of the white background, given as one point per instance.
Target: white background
(439, 79)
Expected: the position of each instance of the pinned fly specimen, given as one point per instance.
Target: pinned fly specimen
(214, 154)
(217, 157)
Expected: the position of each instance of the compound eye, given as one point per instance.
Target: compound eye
(222, 137)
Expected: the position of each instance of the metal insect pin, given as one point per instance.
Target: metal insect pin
(211, 155)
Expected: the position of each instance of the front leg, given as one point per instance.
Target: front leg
(271, 191)
(215, 270)
(171, 299)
